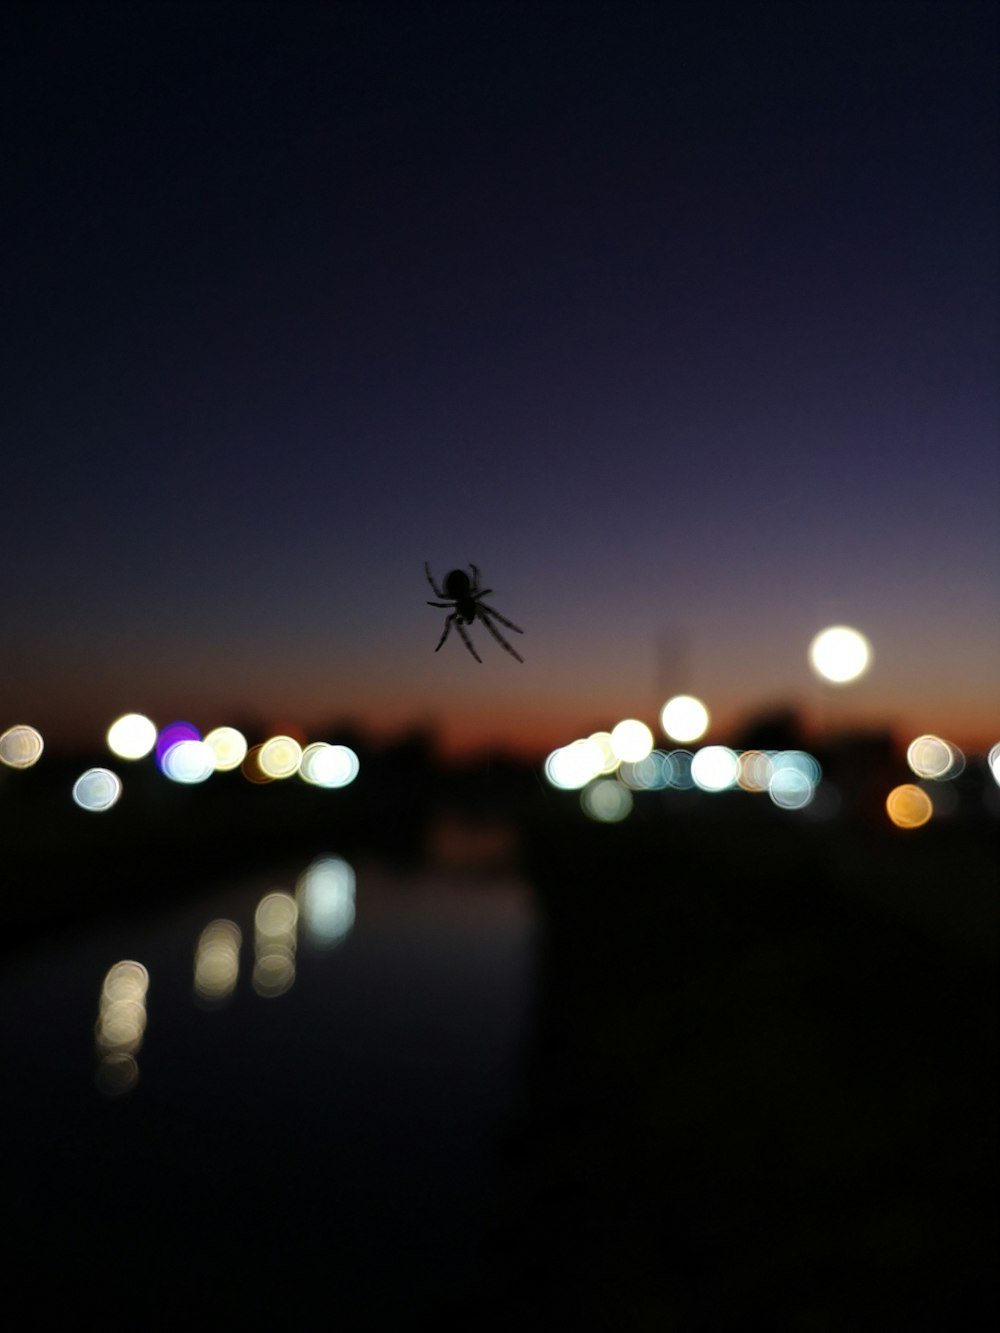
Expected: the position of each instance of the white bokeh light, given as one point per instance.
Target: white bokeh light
(684, 718)
(631, 740)
(840, 654)
(131, 736)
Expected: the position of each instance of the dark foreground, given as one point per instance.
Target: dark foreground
(757, 1090)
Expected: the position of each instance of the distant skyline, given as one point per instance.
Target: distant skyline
(680, 322)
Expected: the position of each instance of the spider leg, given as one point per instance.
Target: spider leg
(498, 636)
(475, 575)
(503, 619)
(448, 622)
(444, 605)
(430, 580)
(466, 640)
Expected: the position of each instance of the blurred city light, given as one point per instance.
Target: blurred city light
(993, 762)
(131, 736)
(602, 739)
(325, 898)
(188, 762)
(631, 740)
(325, 765)
(755, 771)
(280, 757)
(573, 766)
(606, 800)
(172, 734)
(275, 938)
(790, 788)
(97, 789)
(228, 746)
(714, 768)
(21, 746)
(647, 774)
(932, 757)
(251, 769)
(121, 1025)
(217, 961)
(677, 769)
(908, 806)
(684, 718)
(840, 654)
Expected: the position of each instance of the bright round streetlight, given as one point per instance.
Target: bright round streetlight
(684, 718)
(840, 654)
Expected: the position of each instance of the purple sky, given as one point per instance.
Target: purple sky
(680, 321)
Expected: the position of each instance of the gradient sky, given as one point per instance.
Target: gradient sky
(678, 320)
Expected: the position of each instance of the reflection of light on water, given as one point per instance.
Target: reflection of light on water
(840, 654)
(21, 746)
(932, 757)
(280, 757)
(631, 740)
(606, 800)
(217, 961)
(909, 806)
(121, 1025)
(97, 789)
(325, 765)
(714, 768)
(131, 736)
(325, 898)
(188, 762)
(275, 932)
(228, 748)
(684, 718)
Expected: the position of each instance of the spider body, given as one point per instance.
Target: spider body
(464, 600)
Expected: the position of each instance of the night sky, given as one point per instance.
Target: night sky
(680, 321)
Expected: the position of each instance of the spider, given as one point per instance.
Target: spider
(465, 601)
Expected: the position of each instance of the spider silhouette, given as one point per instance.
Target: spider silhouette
(465, 601)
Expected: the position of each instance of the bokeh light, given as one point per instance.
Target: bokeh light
(606, 801)
(610, 761)
(755, 771)
(217, 961)
(189, 762)
(325, 898)
(933, 757)
(131, 736)
(790, 788)
(280, 757)
(275, 939)
(677, 769)
(251, 769)
(714, 768)
(97, 789)
(573, 766)
(172, 734)
(993, 762)
(631, 740)
(684, 718)
(325, 765)
(21, 746)
(120, 1026)
(840, 654)
(909, 806)
(228, 746)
